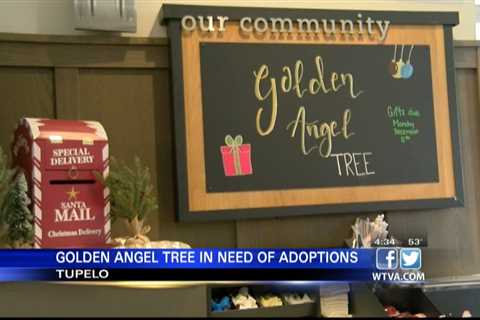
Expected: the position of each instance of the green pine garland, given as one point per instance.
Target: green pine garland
(15, 215)
(131, 194)
(19, 218)
(6, 176)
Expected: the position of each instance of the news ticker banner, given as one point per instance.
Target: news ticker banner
(379, 264)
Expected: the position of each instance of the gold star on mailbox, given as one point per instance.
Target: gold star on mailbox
(72, 194)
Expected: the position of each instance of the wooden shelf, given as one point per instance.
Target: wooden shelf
(299, 310)
(256, 290)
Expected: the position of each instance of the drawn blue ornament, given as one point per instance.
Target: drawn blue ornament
(407, 71)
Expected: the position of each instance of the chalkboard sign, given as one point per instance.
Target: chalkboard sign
(383, 127)
(283, 112)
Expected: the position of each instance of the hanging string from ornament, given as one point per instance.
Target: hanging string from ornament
(392, 66)
(407, 69)
(400, 64)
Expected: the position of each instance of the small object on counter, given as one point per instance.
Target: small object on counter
(327, 290)
(334, 300)
(138, 242)
(270, 300)
(295, 298)
(243, 300)
(466, 314)
(404, 315)
(337, 315)
(132, 199)
(391, 311)
(165, 244)
(222, 305)
(365, 232)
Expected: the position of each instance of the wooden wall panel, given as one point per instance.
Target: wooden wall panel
(134, 107)
(132, 100)
(82, 55)
(465, 58)
(214, 234)
(24, 92)
(453, 234)
(312, 231)
(66, 93)
(122, 100)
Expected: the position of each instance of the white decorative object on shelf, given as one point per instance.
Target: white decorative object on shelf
(466, 314)
(243, 300)
(295, 298)
(270, 300)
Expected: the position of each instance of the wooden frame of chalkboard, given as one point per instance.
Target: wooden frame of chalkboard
(203, 196)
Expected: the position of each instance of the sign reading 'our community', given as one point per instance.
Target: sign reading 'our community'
(296, 111)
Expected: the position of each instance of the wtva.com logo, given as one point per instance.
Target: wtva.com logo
(405, 258)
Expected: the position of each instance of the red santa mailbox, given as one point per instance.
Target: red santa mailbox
(59, 158)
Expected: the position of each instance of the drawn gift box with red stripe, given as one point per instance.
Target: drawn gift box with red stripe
(59, 159)
(236, 157)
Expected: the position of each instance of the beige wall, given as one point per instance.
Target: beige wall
(55, 16)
